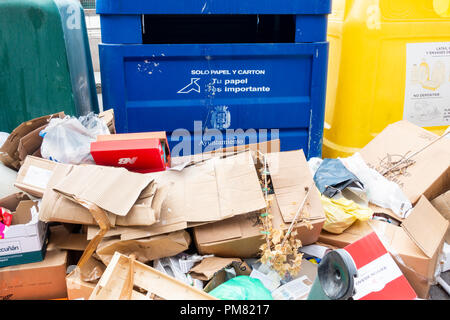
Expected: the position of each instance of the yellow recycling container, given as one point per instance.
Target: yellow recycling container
(389, 60)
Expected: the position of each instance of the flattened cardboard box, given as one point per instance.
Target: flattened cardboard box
(429, 175)
(59, 207)
(411, 242)
(36, 281)
(24, 242)
(208, 191)
(241, 236)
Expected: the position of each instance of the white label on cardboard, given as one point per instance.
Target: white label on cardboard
(38, 177)
(297, 289)
(427, 89)
(375, 275)
(8, 248)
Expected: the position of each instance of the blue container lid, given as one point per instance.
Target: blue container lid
(214, 7)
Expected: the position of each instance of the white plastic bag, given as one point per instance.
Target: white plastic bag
(69, 140)
(379, 190)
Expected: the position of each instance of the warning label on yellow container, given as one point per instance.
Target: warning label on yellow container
(427, 90)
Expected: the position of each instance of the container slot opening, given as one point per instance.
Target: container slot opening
(176, 29)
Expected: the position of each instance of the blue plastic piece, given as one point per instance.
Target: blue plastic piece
(203, 89)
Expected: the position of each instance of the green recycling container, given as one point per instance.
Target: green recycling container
(45, 61)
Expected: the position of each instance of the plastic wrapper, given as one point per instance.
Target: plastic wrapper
(68, 140)
(379, 190)
(342, 213)
(242, 288)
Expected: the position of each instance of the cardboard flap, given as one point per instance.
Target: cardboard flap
(212, 190)
(206, 269)
(218, 231)
(238, 185)
(23, 212)
(290, 176)
(12, 142)
(402, 139)
(12, 201)
(442, 204)
(112, 189)
(426, 227)
(56, 207)
(30, 143)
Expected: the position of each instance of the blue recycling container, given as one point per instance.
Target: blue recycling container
(219, 73)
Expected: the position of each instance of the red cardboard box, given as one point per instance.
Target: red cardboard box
(379, 277)
(140, 152)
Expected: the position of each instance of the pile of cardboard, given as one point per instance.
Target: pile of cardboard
(113, 226)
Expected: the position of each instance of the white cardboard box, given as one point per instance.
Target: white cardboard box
(25, 239)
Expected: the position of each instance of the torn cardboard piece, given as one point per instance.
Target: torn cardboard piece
(212, 269)
(208, 267)
(417, 265)
(147, 283)
(145, 250)
(108, 117)
(58, 208)
(402, 139)
(30, 143)
(9, 153)
(115, 190)
(91, 271)
(12, 201)
(442, 204)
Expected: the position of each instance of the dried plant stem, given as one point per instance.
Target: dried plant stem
(295, 217)
(265, 196)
